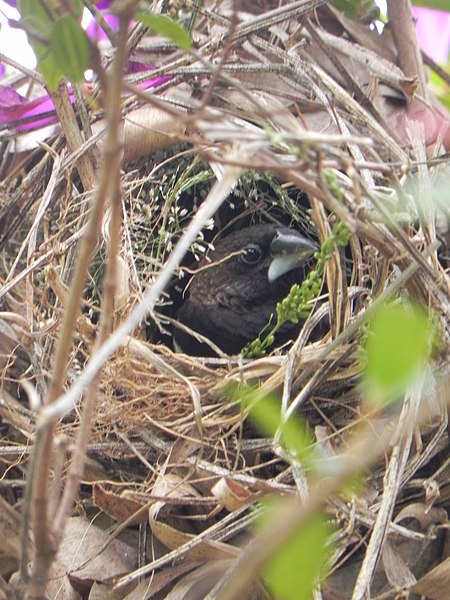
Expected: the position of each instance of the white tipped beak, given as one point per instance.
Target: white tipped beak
(288, 251)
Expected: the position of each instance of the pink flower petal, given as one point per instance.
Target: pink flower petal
(13, 107)
(433, 32)
(94, 30)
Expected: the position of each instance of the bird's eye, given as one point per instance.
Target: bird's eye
(251, 254)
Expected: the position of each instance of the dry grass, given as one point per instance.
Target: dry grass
(294, 109)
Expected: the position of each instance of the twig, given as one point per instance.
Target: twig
(66, 402)
(401, 21)
(46, 536)
(110, 183)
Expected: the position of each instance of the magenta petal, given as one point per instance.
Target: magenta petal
(104, 4)
(135, 66)
(149, 83)
(45, 106)
(433, 32)
(13, 106)
(95, 32)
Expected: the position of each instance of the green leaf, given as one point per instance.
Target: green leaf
(60, 44)
(38, 22)
(439, 87)
(70, 47)
(398, 344)
(436, 4)
(445, 100)
(167, 27)
(49, 68)
(294, 570)
(78, 7)
(353, 9)
(265, 412)
(35, 17)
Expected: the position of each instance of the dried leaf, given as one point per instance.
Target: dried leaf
(204, 551)
(9, 537)
(147, 130)
(231, 494)
(171, 484)
(435, 585)
(119, 508)
(197, 584)
(397, 573)
(122, 291)
(87, 554)
(105, 591)
(158, 581)
(418, 511)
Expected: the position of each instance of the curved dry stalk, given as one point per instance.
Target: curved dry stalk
(52, 412)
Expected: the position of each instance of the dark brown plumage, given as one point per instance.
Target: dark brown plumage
(235, 291)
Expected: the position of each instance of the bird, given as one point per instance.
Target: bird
(233, 293)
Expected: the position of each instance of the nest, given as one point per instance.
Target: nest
(300, 119)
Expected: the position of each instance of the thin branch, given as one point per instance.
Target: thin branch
(402, 24)
(110, 181)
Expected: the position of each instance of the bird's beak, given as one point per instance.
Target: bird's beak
(288, 251)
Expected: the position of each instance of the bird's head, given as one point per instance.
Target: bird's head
(250, 263)
(234, 292)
